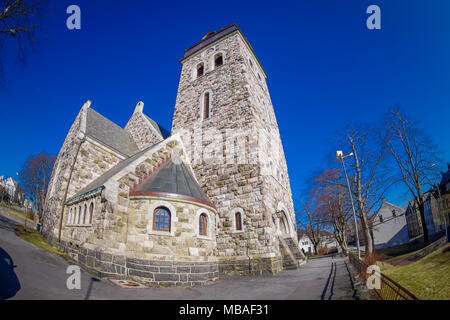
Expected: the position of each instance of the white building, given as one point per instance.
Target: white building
(389, 226)
(10, 185)
(304, 242)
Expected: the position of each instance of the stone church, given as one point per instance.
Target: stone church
(177, 209)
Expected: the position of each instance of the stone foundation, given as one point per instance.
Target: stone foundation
(147, 272)
(243, 266)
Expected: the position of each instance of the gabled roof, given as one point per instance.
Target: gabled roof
(109, 133)
(101, 180)
(160, 129)
(172, 180)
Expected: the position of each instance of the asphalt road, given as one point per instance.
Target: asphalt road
(42, 275)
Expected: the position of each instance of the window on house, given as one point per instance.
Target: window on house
(381, 218)
(393, 213)
(91, 212)
(203, 224)
(161, 219)
(200, 70)
(206, 106)
(218, 60)
(238, 220)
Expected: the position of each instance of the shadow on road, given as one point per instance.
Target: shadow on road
(91, 284)
(9, 283)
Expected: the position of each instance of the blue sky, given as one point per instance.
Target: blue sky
(325, 68)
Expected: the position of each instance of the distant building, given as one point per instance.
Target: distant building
(389, 226)
(433, 217)
(444, 188)
(304, 242)
(11, 187)
(327, 240)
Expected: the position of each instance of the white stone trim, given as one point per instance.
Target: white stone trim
(173, 217)
(212, 59)
(202, 101)
(209, 224)
(195, 70)
(290, 228)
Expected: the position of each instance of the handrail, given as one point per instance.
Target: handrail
(389, 289)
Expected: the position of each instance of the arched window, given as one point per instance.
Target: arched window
(206, 105)
(69, 220)
(85, 214)
(203, 225)
(91, 212)
(251, 63)
(161, 219)
(238, 219)
(80, 216)
(77, 218)
(200, 70)
(218, 60)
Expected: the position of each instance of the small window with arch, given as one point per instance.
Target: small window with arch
(203, 225)
(161, 219)
(218, 60)
(238, 219)
(200, 69)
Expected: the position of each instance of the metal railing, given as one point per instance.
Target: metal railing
(389, 289)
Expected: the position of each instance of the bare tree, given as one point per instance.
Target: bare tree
(415, 155)
(35, 177)
(313, 219)
(333, 198)
(368, 173)
(17, 23)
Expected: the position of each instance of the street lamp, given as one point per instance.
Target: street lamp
(341, 156)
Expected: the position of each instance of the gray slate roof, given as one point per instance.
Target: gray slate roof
(100, 181)
(109, 133)
(173, 178)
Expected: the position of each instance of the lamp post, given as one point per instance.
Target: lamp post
(341, 156)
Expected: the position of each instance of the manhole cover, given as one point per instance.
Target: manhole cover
(126, 283)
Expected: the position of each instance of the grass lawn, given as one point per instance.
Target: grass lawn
(428, 278)
(36, 238)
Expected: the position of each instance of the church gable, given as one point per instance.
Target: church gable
(144, 131)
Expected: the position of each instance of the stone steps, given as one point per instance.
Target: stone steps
(292, 257)
(289, 261)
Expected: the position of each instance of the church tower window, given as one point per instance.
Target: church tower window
(206, 105)
(238, 220)
(218, 60)
(200, 70)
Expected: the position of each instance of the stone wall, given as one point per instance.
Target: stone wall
(147, 272)
(61, 174)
